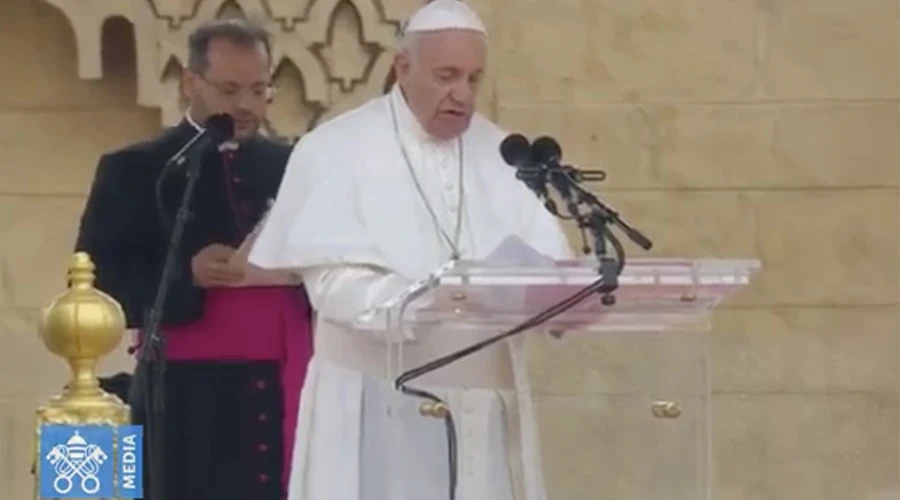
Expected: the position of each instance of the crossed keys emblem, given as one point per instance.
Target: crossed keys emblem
(76, 458)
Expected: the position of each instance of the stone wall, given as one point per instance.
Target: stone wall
(735, 128)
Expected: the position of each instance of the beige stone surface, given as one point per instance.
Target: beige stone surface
(588, 53)
(69, 149)
(611, 446)
(806, 349)
(831, 49)
(846, 259)
(806, 445)
(17, 419)
(765, 446)
(732, 128)
(24, 353)
(715, 146)
(829, 247)
(36, 43)
(38, 235)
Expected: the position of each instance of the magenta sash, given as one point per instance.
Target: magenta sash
(253, 324)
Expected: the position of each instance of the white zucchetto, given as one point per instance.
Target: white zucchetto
(440, 15)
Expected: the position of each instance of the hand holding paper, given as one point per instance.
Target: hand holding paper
(255, 275)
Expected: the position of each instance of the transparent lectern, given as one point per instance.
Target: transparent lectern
(624, 411)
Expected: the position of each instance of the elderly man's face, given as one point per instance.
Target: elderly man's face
(439, 76)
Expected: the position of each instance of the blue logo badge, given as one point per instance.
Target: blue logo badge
(81, 461)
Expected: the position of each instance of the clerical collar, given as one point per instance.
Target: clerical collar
(225, 146)
(409, 124)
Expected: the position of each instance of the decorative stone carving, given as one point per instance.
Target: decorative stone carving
(329, 55)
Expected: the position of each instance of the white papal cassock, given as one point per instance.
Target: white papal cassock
(351, 220)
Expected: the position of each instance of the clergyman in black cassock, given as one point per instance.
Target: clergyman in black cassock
(236, 355)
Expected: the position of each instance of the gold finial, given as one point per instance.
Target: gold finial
(81, 325)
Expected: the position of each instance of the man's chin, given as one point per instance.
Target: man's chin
(453, 128)
(244, 131)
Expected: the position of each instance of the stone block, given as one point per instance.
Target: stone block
(806, 445)
(809, 349)
(38, 235)
(828, 247)
(56, 152)
(588, 53)
(723, 146)
(831, 49)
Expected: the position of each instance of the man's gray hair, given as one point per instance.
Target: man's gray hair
(238, 31)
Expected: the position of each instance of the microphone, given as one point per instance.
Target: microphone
(546, 155)
(219, 128)
(517, 152)
(546, 151)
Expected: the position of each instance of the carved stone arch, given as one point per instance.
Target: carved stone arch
(230, 9)
(341, 49)
(117, 45)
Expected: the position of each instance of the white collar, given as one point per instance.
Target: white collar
(190, 119)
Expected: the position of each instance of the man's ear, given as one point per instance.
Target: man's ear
(402, 65)
(189, 82)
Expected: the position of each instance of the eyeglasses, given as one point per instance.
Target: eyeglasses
(236, 92)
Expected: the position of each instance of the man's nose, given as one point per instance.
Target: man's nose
(462, 92)
(243, 105)
(244, 101)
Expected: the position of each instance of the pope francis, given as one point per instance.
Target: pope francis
(372, 201)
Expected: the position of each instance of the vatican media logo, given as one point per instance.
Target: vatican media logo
(91, 461)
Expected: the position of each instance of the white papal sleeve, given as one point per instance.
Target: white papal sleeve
(341, 294)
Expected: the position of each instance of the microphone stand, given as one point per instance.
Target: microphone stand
(148, 388)
(600, 216)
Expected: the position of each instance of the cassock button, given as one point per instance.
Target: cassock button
(262, 447)
(263, 478)
(236, 180)
(262, 417)
(260, 384)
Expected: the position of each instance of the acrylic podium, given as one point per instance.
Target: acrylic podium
(641, 427)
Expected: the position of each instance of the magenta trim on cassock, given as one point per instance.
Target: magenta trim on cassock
(253, 324)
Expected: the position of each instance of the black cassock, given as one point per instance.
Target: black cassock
(127, 237)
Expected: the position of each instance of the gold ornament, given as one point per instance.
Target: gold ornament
(81, 325)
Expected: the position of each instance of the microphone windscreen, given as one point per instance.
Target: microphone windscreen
(545, 150)
(220, 127)
(516, 150)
